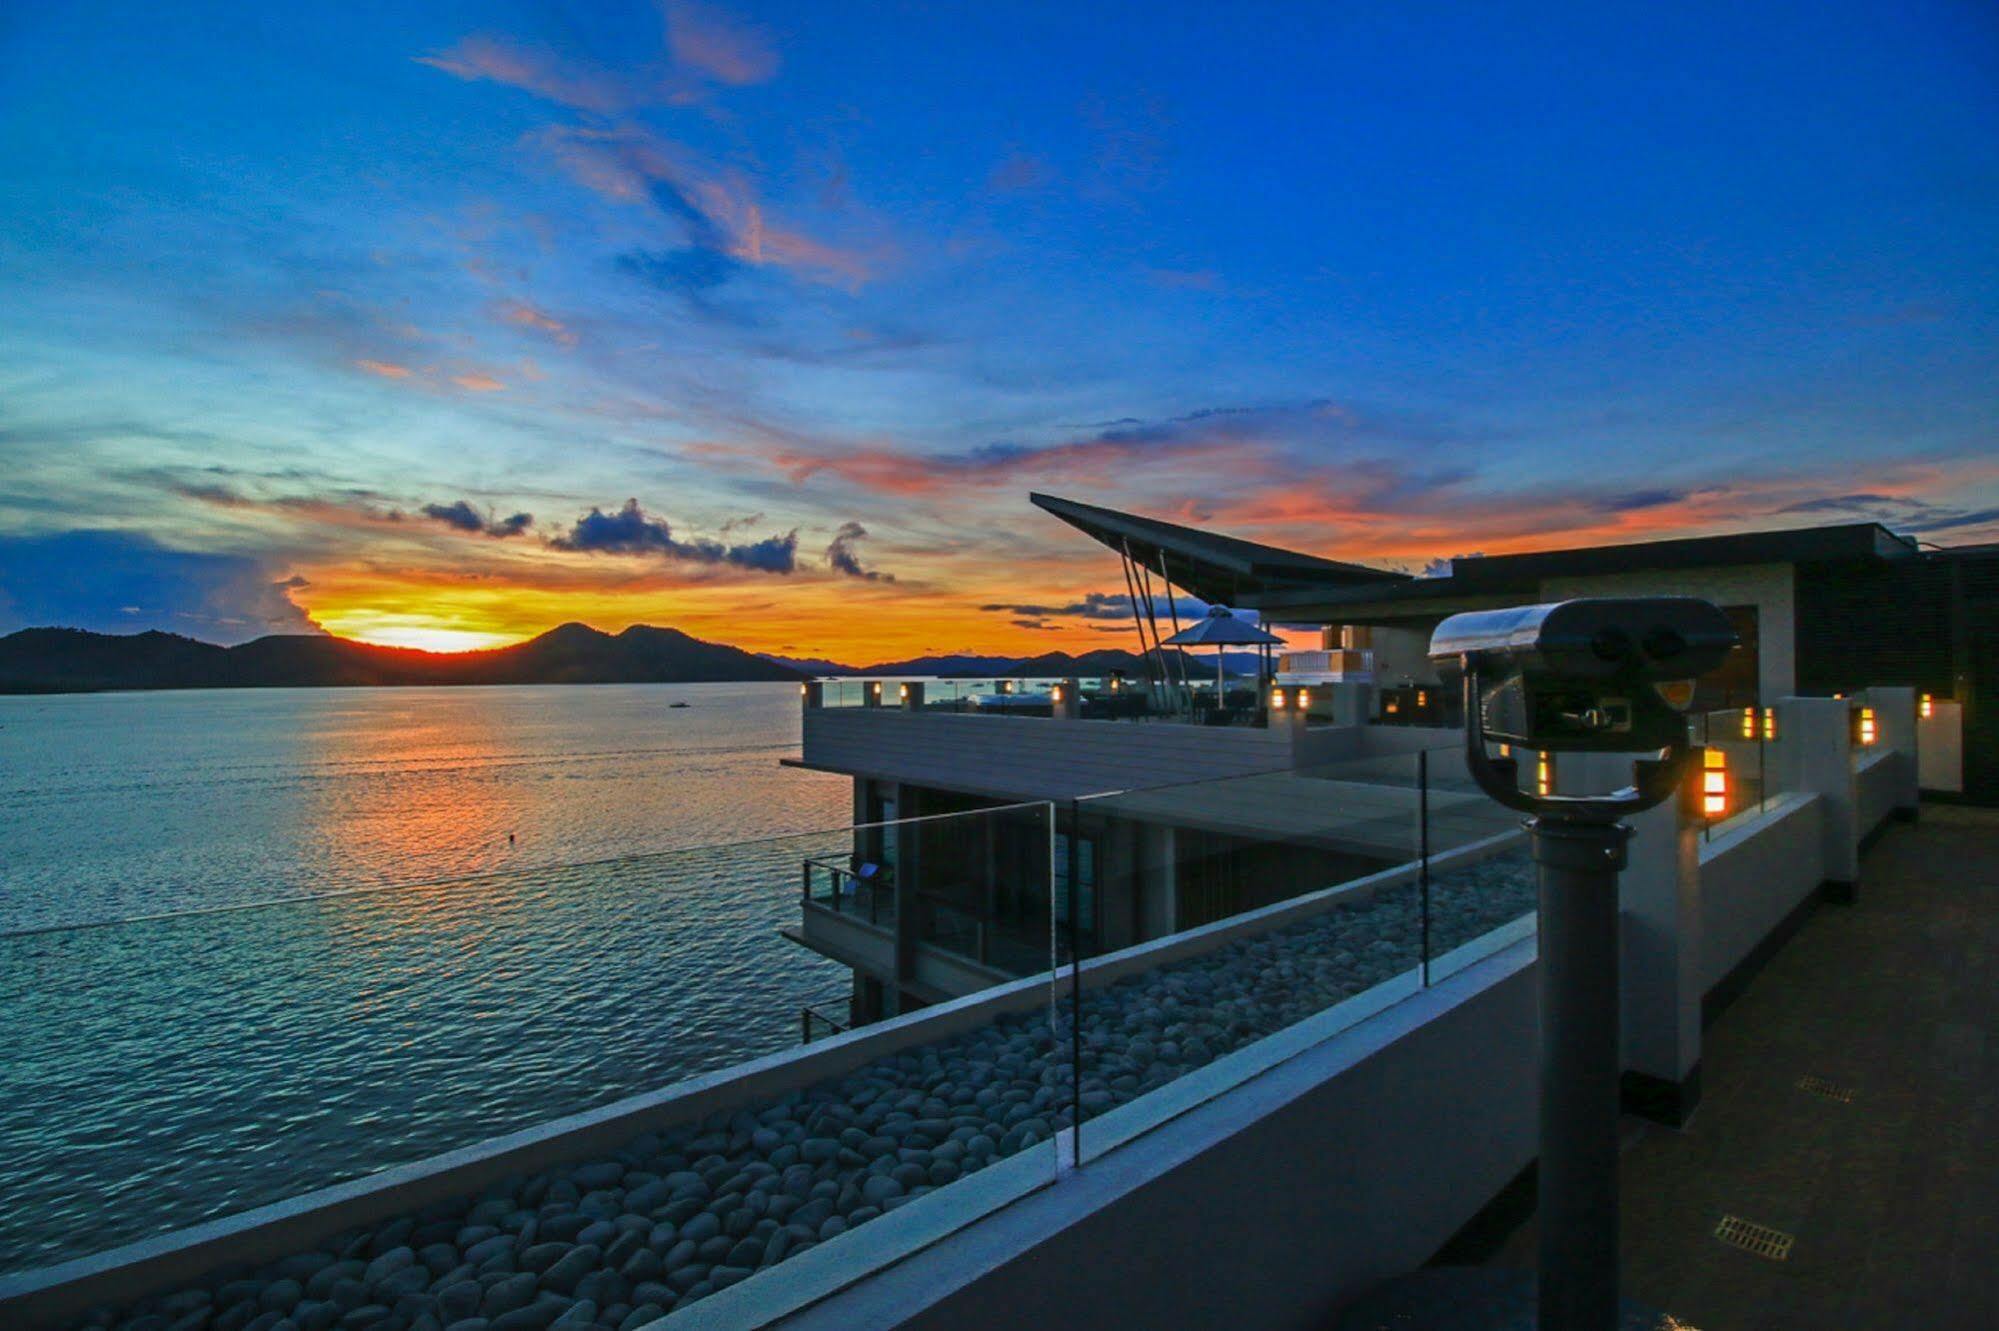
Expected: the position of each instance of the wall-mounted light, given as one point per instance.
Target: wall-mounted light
(1544, 774)
(1304, 700)
(1055, 693)
(1714, 783)
(1749, 723)
(1770, 724)
(1422, 698)
(1863, 726)
(1278, 700)
(1392, 706)
(902, 692)
(876, 686)
(1929, 707)
(1115, 683)
(804, 690)
(1506, 750)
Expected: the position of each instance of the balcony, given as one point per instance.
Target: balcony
(1338, 1081)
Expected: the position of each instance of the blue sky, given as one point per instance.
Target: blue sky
(286, 289)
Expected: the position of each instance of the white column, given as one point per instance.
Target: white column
(1660, 905)
(1895, 728)
(1815, 754)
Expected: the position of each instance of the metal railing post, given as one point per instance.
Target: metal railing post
(1423, 849)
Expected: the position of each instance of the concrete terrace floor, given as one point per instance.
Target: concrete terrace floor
(1892, 1198)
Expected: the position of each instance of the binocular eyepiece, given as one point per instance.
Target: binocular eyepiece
(1649, 638)
(1593, 675)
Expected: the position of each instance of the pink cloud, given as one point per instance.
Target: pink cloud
(477, 383)
(718, 46)
(634, 167)
(386, 369)
(538, 70)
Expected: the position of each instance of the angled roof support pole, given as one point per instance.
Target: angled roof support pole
(1172, 692)
(1138, 622)
(1174, 609)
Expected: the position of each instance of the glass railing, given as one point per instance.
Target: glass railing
(1098, 698)
(1292, 904)
(1743, 772)
(1106, 963)
(203, 1065)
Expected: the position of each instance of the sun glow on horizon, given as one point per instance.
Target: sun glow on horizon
(428, 638)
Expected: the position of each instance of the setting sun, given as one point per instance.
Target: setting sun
(427, 638)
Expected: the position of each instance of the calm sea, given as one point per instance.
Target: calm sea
(254, 942)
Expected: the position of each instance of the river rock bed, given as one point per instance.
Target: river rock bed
(678, 1214)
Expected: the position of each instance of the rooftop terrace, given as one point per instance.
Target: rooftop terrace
(1853, 1106)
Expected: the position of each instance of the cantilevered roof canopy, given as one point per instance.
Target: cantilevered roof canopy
(1286, 586)
(1217, 569)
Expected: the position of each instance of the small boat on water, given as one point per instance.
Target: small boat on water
(676, 704)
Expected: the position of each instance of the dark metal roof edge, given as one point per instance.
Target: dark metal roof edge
(1785, 545)
(1249, 559)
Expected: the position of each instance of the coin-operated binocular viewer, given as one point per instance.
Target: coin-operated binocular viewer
(1591, 676)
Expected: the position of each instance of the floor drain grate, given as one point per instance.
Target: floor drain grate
(1761, 1240)
(1826, 1090)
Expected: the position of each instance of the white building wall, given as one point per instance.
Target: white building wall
(1771, 588)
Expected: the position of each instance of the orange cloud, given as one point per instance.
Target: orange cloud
(717, 46)
(478, 383)
(386, 369)
(523, 315)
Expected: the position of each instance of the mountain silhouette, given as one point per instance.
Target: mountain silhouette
(52, 660)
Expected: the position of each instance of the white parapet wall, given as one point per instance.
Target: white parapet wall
(1878, 782)
(1755, 874)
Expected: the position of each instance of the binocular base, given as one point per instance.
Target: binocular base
(1472, 1298)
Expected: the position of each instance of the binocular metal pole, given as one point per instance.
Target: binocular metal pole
(1579, 859)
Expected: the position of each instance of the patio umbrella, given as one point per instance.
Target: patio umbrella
(1222, 630)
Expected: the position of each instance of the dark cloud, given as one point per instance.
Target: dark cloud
(1635, 500)
(122, 582)
(630, 531)
(461, 516)
(1102, 605)
(841, 556)
(1847, 503)
(1914, 517)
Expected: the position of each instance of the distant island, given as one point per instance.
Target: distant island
(57, 660)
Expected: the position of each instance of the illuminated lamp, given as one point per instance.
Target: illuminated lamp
(1277, 700)
(1863, 726)
(1749, 723)
(1394, 706)
(1304, 699)
(1544, 774)
(902, 692)
(1714, 783)
(1929, 707)
(1055, 693)
(1422, 698)
(1770, 724)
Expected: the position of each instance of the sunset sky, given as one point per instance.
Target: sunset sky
(441, 325)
